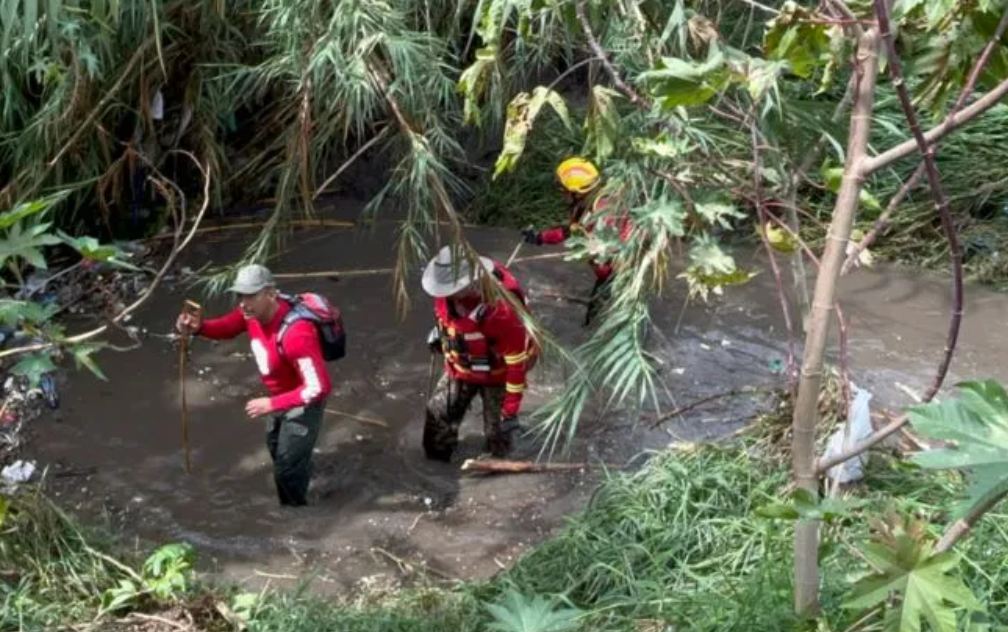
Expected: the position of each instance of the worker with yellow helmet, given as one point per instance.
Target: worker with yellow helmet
(580, 185)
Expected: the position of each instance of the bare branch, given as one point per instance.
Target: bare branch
(937, 191)
(599, 52)
(951, 123)
(883, 221)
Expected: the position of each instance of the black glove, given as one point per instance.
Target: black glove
(531, 236)
(434, 340)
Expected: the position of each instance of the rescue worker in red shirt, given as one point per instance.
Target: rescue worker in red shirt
(486, 352)
(580, 185)
(293, 373)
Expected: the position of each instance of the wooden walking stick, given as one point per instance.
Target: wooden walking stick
(196, 310)
(514, 253)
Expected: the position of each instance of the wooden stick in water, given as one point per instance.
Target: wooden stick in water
(502, 466)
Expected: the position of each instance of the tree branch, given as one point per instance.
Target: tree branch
(962, 526)
(951, 123)
(937, 191)
(599, 52)
(177, 248)
(883, 221)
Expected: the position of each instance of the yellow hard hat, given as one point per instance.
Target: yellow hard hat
(577, 175)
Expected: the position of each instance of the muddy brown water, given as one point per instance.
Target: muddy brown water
(115, 449)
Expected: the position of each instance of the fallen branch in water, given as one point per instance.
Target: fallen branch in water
(748, 390)
(364, 420)
(501, 466)
(300, 223)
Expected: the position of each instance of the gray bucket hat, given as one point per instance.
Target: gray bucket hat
(251, 279)
(445, 276)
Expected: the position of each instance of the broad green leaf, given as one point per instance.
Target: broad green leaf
(14, 313)
(793, 36)
(521, 116)
(662, 147)
(4, 505)
(82, 355)
(33, 367)
(717, 212)
(803, 506)
(976, 426)
(678, 82)
(708, 255)
(93, 250)
(602, 125)
(27, 209)
(925, 589)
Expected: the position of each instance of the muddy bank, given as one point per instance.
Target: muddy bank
(378, 504)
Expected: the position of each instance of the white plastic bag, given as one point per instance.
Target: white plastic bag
(16, 473)
(857, 429)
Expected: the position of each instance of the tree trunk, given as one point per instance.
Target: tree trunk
(806, 542)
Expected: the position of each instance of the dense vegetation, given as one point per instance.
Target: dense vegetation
(712, 121)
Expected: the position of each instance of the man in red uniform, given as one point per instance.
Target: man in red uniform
(292, 370)
(579, 181)
(486, 352)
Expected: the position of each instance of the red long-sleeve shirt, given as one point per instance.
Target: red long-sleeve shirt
(559, 234)
(296, 377)
(506, 343)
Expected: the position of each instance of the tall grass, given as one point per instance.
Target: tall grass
(678, 543)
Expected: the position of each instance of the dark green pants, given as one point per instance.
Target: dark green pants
(290, 438)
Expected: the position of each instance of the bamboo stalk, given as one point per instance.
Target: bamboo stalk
(806, 542)
(183, 349)
(503, 466)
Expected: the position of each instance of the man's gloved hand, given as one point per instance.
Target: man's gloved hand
(434, 340)
(531, 235)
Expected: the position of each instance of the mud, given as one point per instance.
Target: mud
(380, 511)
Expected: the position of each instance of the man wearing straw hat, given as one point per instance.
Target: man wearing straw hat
(288, 353)
(580, 183)
(486, 352)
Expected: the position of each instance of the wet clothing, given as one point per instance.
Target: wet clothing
(585, 223)
(290, 439)
(486, 344)
(487, 352)
(447, 408)
(603, 269)
(295, 377)
(298, 384)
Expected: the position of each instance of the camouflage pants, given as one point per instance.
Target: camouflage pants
(446, 409)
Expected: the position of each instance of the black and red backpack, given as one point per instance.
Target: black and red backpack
(324, 315)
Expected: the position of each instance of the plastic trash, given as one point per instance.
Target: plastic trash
(16, 473)
(857, 429)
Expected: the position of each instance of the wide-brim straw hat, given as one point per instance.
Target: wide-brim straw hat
(446, 275)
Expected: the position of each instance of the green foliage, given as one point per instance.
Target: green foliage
(976, 426)
(520, 613)
(908, 572)
(521, 116)
(802, 505)
(166, 575)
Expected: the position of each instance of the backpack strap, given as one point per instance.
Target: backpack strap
(297, 312)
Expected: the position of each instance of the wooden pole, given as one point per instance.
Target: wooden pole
(501, 466)
(189, 307)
